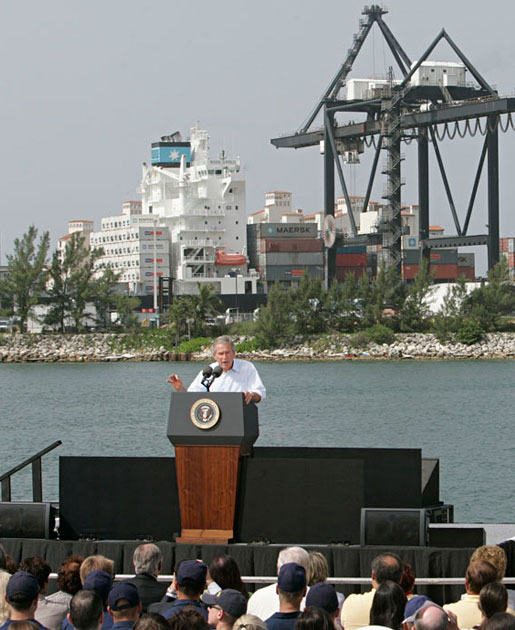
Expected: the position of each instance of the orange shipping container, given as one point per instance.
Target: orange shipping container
(351, 260)
(291, 245)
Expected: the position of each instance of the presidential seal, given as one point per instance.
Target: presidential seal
(205, 413)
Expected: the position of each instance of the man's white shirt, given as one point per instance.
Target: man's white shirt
(242, 377)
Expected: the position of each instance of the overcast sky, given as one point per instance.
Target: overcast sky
(88, 86)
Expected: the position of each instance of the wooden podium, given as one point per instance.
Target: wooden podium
(210, 432)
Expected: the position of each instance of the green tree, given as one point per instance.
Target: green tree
(387, 291)
(25, 281)
(103, 294)
(71, 283)
(274, 323)
(125, 305)
(308, 307)
(342, 307)
(179, 311)
(205, 304)
(414, 312)
(489, 304)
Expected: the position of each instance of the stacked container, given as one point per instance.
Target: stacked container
(351, 260)
(507, 247)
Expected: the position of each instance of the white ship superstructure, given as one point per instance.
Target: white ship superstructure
(202, 202)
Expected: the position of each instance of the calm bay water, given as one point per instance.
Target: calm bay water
(461, 412)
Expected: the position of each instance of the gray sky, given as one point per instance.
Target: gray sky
(88, 86)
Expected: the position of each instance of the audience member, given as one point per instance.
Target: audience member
(4, 578)
(68, 580)
(323, 595)
(496, 556)
(407, 582)
(86, 611)
(50, 614)
(467, 610)
(388, 606)
(291, 588)
(430, 616)
(22, 594)
(100, 582)
(23, 625)
(224, 608)
(151, 621)
(224, 573)
(124, 605)
(265, 601)
(356, 607)
(249, 622)
(96, 563)
(493, 598)
(188, 619)
(499, 621)
(148, 562)
(313, 618)
(189, 583)
(318, 572)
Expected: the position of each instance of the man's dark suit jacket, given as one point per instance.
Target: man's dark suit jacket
(149, 589)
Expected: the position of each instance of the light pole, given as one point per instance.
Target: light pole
(156, 313)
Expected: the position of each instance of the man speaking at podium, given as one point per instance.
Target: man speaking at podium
(237, 375)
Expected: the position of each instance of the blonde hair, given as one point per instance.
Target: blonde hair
(4, 609)
(318, 568)
(249, 622)
(96, 563)
(494, 555)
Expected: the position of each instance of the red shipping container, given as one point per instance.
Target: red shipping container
(467, 272)
(511, 259)
(351, 260)
(291, 245)
(435, 256)
(445, 272)
(357, 272)
(409, 271)
(503, 244)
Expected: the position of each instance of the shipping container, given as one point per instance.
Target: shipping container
(467, 272)
(352, 249)
(503, 244)
(511, 259)
(351, 260)
(466, 259)
(293, 259)
(439, 272)
(511, 245)
(291, 245)
(409, 242)
(283, 272)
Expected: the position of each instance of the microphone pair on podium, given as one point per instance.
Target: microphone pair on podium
(209, 374)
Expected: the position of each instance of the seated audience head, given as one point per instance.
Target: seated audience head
(68, 575)
(225, 607)
(293, 554)
(313, 618)
(148, 559)
(190, 579)
(22, 593)
(100, 582)
(249, 622)
(493, 598)
(188, 618)
(478, 574)
(414, 603)
(224, 570)
(86, 610)
(291, 585)
(494, 555)
(323, 595)
(431, 617)
(123, 602)
(36, 566)
(151, 621)
(386, 567)
(318, 568)
(499, 621)
(96, 563)
(10, 565)
(388, 606)
(407, 578)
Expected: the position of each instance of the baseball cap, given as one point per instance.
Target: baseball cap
(230, 601)
(291, 578)
(123, 590)
(414, 604)
(22, 583)
(323, 596)
(100, 582)
(426, 604)
(192, 573)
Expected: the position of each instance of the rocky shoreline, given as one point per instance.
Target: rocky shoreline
(31, 348)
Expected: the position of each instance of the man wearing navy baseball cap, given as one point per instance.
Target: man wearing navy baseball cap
(291, 588)
(189, 584)
(21, 594)
(124, 605)
(224, 608)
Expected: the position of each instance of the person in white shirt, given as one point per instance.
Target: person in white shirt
(237, 375)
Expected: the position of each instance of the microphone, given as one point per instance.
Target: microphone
(218, 371)
(206, 374)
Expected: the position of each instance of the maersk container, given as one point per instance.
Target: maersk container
(294, 258)
(291, 245)
(288, 230)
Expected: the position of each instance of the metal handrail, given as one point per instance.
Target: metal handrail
(249, 579)
(37, 485)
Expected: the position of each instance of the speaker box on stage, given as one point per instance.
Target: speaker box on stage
(27, 520)
(456, 536)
